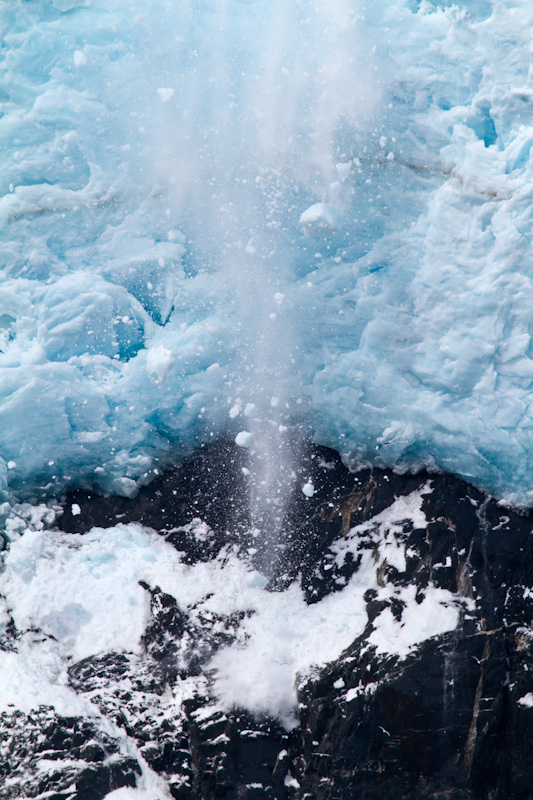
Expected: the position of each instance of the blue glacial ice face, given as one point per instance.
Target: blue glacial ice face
(157, 279)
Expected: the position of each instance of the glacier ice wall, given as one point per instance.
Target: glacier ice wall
(324, 208)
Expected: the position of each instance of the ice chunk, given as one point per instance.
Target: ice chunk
(244, 438)
(321, 220)
(308, 489)
(165, 94)
(343, 169)
(80, 59)
(159, 359)
(75, 509)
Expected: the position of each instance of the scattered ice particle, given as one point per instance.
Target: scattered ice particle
(244, 438)
(274, 401)
(76, 510)
(159, 359)
(80, 59)
(11, 187)
(382, 141)
(339, 683)
(249, 409)
(250, 249)
(308, 489)
(245, 471)
(321, 220)
(172, 236)
(11, 464)
(390, 156)
(235, 411)
(279, 297)
(272, 316)
(165, 94)
(282, 429)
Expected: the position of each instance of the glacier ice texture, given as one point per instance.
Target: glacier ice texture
(157, 161)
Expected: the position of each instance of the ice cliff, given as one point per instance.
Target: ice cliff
(205, 205)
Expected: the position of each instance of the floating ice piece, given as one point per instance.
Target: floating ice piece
(321, 220)
(76, 510)
(249, 409)
(308, 489)
(244, 438)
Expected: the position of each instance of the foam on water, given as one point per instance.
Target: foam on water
(206, 205)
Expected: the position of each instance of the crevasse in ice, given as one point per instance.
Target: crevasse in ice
(209, 205)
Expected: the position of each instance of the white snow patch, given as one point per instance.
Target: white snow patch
(35, 676)
(438, 613)
(84, 591)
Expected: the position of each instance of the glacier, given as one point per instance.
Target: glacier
(208, 206)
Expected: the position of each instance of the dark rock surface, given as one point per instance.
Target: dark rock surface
(451, 720)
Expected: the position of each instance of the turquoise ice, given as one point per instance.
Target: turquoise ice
(156, 278)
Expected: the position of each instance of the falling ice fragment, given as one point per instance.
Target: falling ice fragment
(244, 438)
(165, 94)
(321, 220)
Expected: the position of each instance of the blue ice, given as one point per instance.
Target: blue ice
(157, 279)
